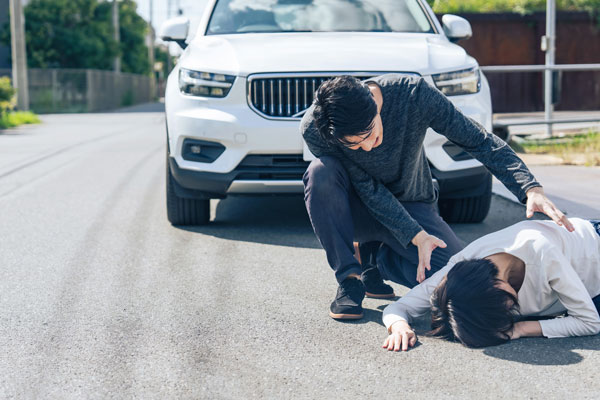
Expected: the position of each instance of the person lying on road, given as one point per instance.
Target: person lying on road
(372, 182)
(530, 269)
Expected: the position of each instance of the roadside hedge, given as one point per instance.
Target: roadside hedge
(515, 6)
(7, 95)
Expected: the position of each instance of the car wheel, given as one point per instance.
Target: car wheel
(182, 211)
(467, 209)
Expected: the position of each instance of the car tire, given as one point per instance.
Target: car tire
(182, 211)
(467, 209)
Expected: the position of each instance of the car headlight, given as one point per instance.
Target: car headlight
(206, 84)
(466, 81)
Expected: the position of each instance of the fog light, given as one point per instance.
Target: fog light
(201, 150)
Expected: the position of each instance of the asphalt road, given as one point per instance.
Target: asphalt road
(100, 297)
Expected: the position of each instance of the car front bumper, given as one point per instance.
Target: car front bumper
(251, 178)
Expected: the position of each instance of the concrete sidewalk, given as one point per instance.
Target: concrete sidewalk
(575, 190)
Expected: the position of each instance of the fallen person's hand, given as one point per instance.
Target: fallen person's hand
(425, 243)
(525, 329)
(515, 333)
(538, 202)
(401, 337)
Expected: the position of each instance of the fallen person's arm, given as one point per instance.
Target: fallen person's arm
(398, 315)
(582, 319)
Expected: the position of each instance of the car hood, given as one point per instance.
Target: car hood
(244, 54)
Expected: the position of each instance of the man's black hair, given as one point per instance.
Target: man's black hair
(468, 305)
(344, 107)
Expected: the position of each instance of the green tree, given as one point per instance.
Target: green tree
(133, 31)
(79, 34)
(68, 34)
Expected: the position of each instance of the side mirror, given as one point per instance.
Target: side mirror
(456, 28)
(175, 30)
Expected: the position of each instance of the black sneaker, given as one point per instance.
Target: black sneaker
(374, 285)
(371, 278)
(347, 303)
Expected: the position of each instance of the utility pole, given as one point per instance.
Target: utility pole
(19, 56)
(548, 45)
(116, 35)
(169, 4)
(151, 54)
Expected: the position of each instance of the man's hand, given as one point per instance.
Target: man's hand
(538, 202)
(426, 243)
(401, 337)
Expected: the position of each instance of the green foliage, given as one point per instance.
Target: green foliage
(68, 34)
(12, 119)
(161, 55)
(515, 6)
(7, 95)
(133, 30)
(79, 34)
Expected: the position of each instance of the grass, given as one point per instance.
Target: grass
(580, 149)
(16, 118)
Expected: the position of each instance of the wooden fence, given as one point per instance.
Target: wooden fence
(513, 39)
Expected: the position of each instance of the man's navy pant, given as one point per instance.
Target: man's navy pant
(339, 218)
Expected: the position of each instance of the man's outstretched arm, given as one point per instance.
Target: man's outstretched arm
(490, 150)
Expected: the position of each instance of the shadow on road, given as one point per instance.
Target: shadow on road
(283, 221)
(542, 351)
(280, 221)
(370, 315)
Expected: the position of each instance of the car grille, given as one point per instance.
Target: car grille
(272, 167)
(287, 96)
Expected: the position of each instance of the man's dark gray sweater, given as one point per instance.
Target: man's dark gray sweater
(397, 170)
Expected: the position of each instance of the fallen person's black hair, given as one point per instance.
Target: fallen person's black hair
(468, 306)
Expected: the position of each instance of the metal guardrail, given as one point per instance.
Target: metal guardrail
(548, 121)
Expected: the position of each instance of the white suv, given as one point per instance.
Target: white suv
(235, 98)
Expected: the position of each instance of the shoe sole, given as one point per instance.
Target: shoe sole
(380, 296)
(345, 316)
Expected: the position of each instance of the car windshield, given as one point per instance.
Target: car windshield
(251, 16)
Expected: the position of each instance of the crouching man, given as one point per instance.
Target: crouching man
(371, 181)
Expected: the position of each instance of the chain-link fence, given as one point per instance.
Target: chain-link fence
(83, 90)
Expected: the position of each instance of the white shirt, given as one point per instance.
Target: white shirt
(562, 273)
